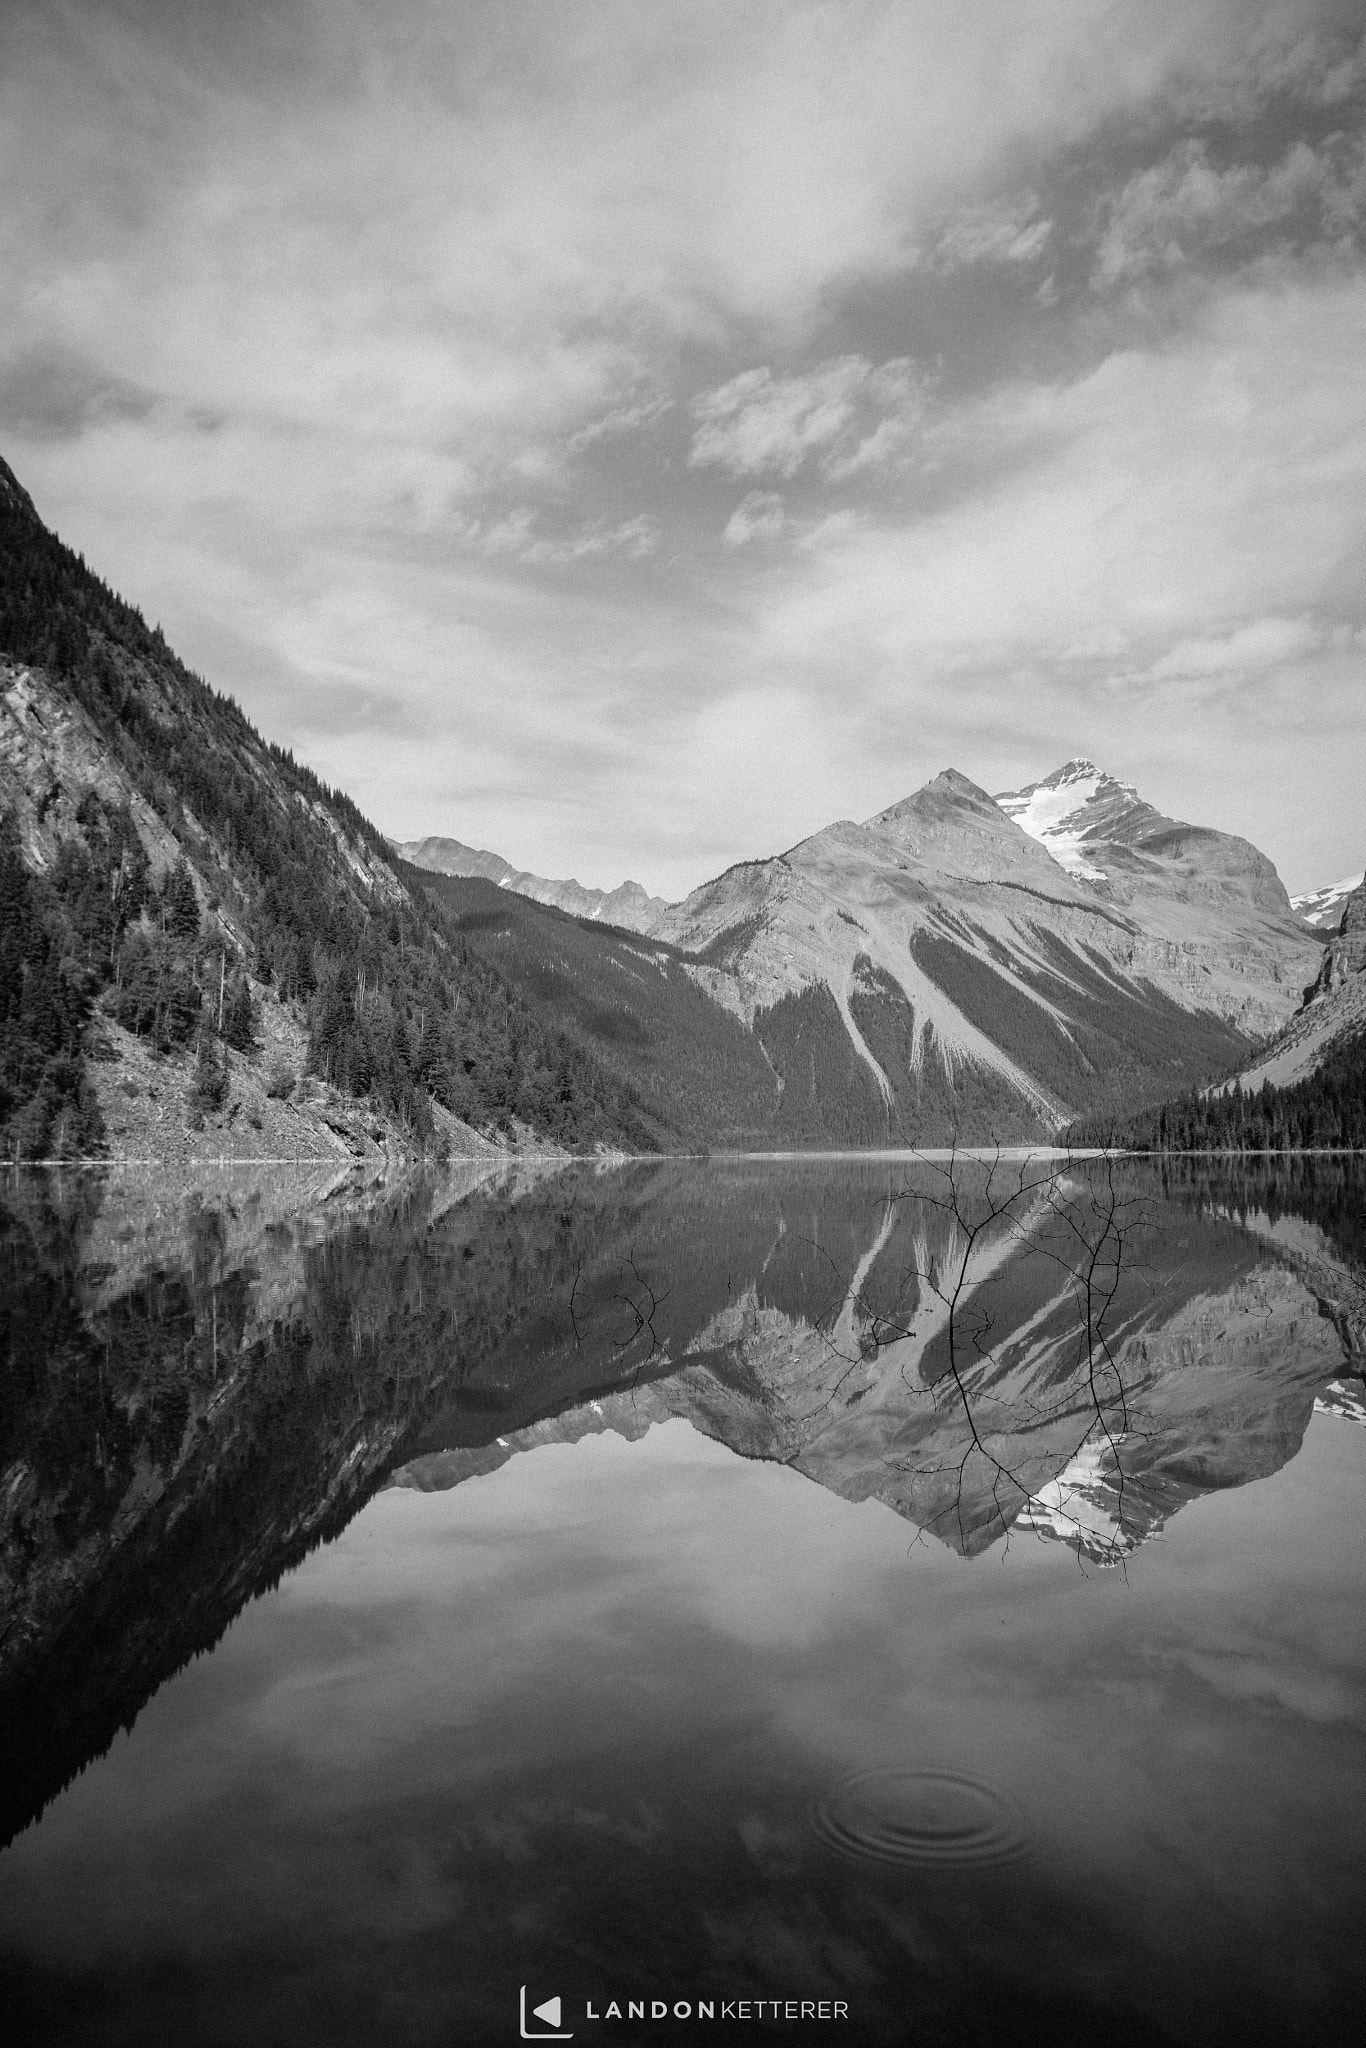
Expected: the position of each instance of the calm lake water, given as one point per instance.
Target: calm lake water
(930, 1597)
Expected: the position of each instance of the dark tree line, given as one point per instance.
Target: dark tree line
(1327, 1110)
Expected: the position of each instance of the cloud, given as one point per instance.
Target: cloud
(622, 419)
(513, 535)
(759, 516)
(1259, 645)
(844, 415)
(1184, 208)
(474, 295)
(1009, 231)
(1297, 55)
(1057, 598)
(58, 394)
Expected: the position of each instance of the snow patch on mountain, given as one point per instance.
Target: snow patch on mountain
(1323, 907)
(1342, 1398)
(1055, 812)
(1078, 1507)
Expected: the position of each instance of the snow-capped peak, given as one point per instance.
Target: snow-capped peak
(1053, 811)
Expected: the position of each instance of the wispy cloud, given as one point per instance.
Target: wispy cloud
(1255, 647)
(515, 536)
(621, 419)
(758, 516)
(844, 416)
(1006, 231)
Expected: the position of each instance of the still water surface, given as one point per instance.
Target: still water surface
(638, 1586)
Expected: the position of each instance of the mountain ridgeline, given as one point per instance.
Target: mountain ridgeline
(957, 966)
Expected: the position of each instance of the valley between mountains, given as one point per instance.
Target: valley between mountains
(191, 919)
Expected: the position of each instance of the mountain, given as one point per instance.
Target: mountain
(628, 905)
(1332, 1014)
(1069, 807)
(1323, 907)
(1305, 1089)
(634, 1006)
(939, 966)
(173, 888)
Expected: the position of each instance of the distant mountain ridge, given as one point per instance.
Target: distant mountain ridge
(628, 905)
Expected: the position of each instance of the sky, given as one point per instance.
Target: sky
(631, 436)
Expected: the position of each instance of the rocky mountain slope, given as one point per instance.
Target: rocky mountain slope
(628, 905)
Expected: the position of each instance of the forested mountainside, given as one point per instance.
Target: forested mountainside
(164, 868)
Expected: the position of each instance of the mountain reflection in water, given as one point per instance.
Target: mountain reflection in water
(197, 1395)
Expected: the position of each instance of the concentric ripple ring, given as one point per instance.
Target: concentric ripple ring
(936, 1819)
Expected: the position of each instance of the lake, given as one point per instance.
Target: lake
(887, 1599)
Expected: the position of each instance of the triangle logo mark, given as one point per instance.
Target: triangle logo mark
(549, 2012)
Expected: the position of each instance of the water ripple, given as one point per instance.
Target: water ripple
(935, 1819)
